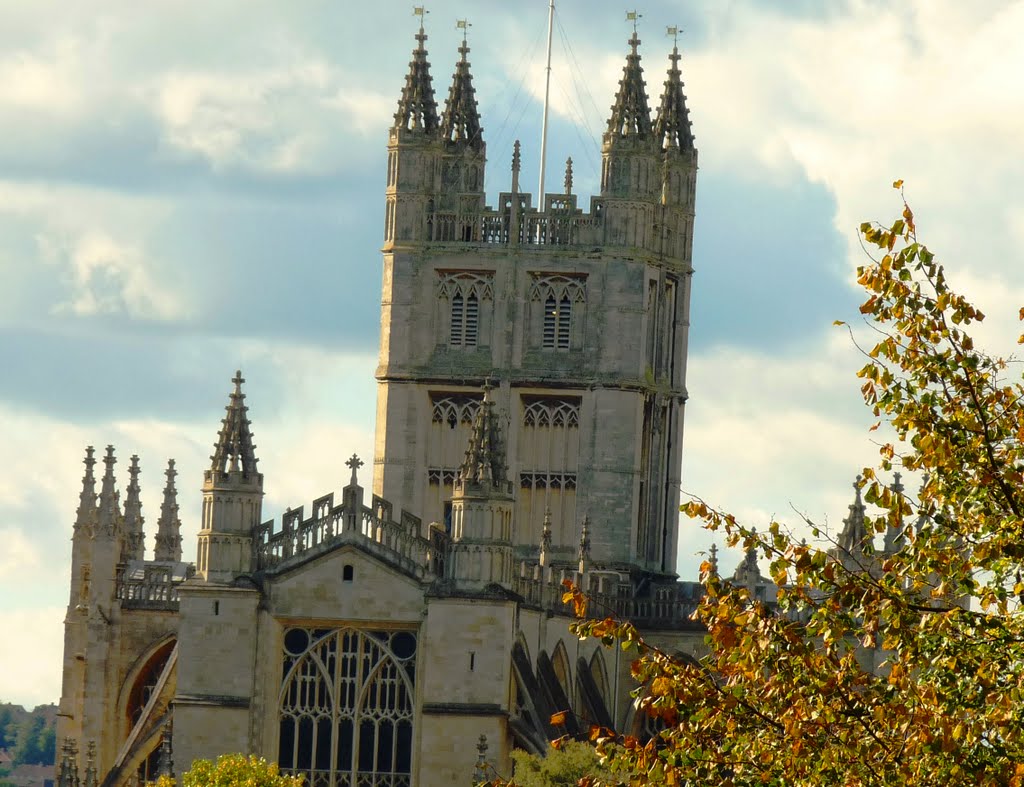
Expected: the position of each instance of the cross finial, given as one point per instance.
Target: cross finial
(238, 380)
(634, 17)
(355, 463)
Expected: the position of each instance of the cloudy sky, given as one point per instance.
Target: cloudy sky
(187, 187)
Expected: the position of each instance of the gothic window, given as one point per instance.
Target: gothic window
(346, 707)
(557, 309)
(465, 299)
(451, 422)
(548, 459)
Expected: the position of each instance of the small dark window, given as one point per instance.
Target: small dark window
(347, 573)
(216, 607)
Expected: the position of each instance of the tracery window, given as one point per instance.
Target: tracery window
(451, 423)
(548, 454)
(558, 304)
(347, 707)
(465, 298)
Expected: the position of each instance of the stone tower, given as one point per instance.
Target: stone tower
(232, 497)
(580, 317)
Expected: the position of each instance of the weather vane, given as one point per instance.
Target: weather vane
(673, 30)
(420, 11)
(463, 25)
(634, 17)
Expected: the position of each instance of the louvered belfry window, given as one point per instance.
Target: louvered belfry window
(462, 296)
(563, 299)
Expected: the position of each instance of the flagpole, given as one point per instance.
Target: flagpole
(544, 123)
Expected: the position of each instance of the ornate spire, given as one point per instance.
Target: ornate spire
(165, 761)
(748, 573)
(854, 535)
(894, 536)
(90, 766)
(672, 127)
(134, 540)
(631, 117)
(480, 769)
(109, 513)
(516, 165)
(713, 560)
(568, 176)
(461, 120)
(584, 555)
(86, 516)
(235, 451)
(545, 538)
(67, 773)
(417, 109)
(168, 528)
(485, 457)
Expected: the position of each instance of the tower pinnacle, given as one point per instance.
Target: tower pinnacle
(485, 461)
(672, 127)
(234, 450)
(109, 513)
(86, 515)
(133, 547)
(854, 535)
(417, 109)
(461, 120)
(168, 532)
(631, 117)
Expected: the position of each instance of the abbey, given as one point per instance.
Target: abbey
(532, 384)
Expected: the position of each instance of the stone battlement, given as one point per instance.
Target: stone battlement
(328, 525)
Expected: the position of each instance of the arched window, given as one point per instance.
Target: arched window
(346, 707)
(557, 310)
(548, 454)
(461, 295)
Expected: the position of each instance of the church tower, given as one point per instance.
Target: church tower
(581, 318)
(232, 497)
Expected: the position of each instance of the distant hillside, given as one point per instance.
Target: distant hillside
(28, 739)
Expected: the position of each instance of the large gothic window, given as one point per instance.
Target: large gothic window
(346, 707)
(548, 449)
(465, 299)
(557, 311)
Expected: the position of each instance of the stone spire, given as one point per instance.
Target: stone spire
(109, 520)
(461, 120)
(86, 515)
(631, 117)
(235, 451)
(584, 553)
(485, 458)
(545, 539)
(748, 573)
(417, 109)
(568, 176)
(168, 528)
(854, 535)
(90, 766)
(133, 545)
(672, 127)
(894, 536)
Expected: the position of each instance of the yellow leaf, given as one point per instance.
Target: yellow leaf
(897, 184)
(558, 718)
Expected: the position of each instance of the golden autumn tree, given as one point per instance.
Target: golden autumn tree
(785, 696)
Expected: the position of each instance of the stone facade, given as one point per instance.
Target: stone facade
(529, 426)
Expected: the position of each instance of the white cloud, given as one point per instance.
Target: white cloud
(283, 120)
(30, 663)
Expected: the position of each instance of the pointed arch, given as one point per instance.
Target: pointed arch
(141, 678)
(599, 674)
(560, 664)
(346, 706)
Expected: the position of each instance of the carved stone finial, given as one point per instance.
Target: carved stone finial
(235, 450)
(86, 514)
(168, 528)
(568, 175)
(109, 512)
(545, 538)
(417, 109)
(165, 763)
(631, 115)
(90, 766)
(133, 540)
(672, 126)
(480, 771)
(584, 556)
(713, 559)
(354, 462)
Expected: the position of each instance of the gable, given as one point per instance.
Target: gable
(347, 583)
